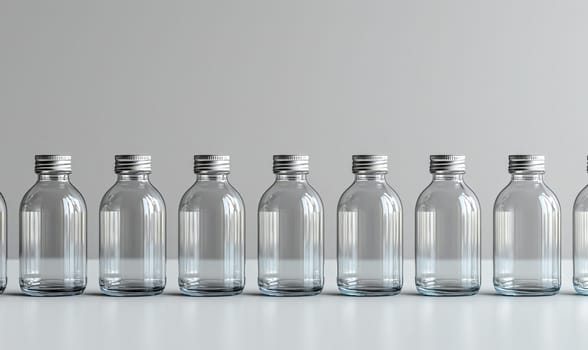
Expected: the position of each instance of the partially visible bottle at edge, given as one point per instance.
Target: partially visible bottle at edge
(53, 232)
(447, 244)
(580, 243)
(369, 232)
(211, 232)
(3, 244)
(290, 228)
(132, 232)
(527, 232)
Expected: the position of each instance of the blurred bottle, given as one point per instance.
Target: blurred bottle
(3, 244)
(581, 242)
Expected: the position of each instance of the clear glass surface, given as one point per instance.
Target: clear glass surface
(211, 238)
(3, 244)
(290, 242)
(53, 238)
(369, 238)
(447, 245)
(580, 243)
(132, 238)
(527, 238)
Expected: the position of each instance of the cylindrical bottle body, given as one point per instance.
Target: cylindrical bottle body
(527, 238)
(447, 244)
(3, 244)
(211, 238)
(132, 238)
(290, 242)
(580, 243)
(53, 238)
(369, 239)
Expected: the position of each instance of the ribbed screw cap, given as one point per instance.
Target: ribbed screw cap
(132, 163)
(369, 163)
(289, 163)
(526, 163)
(51, 163)
(447, 163)
(208, 163)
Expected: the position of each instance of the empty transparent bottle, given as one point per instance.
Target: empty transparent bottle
(211, 232)
(580, 243)
(290, 225)
(3, 244)
(527, 232)
(447, 244)
(369, 232)
(132, 231)
(53, 232)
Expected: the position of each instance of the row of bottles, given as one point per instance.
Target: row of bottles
(290, 232)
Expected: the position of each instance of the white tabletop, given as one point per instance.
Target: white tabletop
(329, 321)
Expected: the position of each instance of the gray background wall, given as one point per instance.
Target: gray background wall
(327, 78)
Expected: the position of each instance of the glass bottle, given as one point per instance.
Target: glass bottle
(3, 244)
(369, 232)
(53, 232)
(447, 244)
(527, 232)
(211, 232)
(580, 243)
(132, 232)
(290, 227)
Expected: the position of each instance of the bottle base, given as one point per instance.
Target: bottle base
(526, 292)
(364, 292)
(292, 292)
(51, 291)
(136, 292)
(129, 288)
(447, 292)
(289, 287)
(581, 284)
(211, 292)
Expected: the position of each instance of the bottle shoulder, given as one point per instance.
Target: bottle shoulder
(211, 194)
(581, 202)
(360, 193)
(522, 193)
(441, 193)
(45, 193)
(290, 193)
(129, 193)
(2, 203)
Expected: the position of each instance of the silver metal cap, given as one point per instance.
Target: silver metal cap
(364, 163)
(288, 163)
(208, 163)
(518, 163)
(128, 163)
(446, 163)
(50, 163)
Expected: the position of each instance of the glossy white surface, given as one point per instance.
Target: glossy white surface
(329, 321)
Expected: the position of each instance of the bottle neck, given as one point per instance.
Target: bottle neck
(141, 177)
(378, 177)
(448, 177)
(298, 177)
(222, 177)
(60, 177)
(535, 177)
